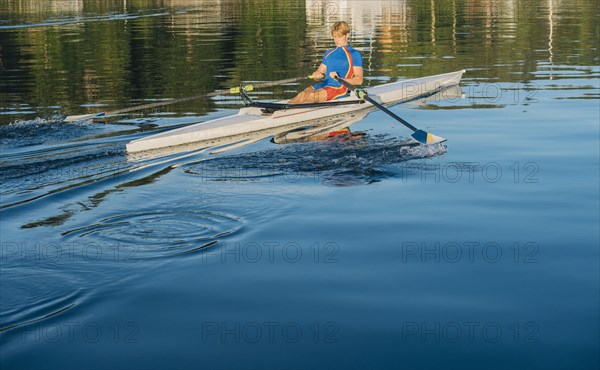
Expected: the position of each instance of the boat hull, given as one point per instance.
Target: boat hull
(252, 119)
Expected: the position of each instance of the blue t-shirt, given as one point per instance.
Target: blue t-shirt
(342, 60)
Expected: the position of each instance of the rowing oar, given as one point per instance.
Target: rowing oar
(233, 90)
(421, 136)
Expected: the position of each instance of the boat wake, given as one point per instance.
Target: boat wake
(23, 133)
(361, 161)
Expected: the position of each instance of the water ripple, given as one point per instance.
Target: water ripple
(29, 301)
(162, 231)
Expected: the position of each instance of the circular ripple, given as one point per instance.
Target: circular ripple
(30, 295)
(172, 230)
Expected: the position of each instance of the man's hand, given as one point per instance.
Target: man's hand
(334, 75)
(318, 75)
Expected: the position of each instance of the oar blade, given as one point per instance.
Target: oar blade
(83, 117)
(427, 138)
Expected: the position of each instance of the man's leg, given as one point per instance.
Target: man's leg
(310, 95)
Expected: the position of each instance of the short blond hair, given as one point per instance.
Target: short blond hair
(340, 29)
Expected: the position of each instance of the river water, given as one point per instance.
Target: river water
(365, 253)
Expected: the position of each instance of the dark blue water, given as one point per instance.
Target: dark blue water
(478, 253)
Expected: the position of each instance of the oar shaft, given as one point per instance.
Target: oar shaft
(421, 136)
(181, 100)
(204, 95)
(280, 82)
(161, 103)
(389, 112)
(375, 103)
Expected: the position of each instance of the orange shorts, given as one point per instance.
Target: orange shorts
(334, 92)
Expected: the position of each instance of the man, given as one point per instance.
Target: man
(343, 61)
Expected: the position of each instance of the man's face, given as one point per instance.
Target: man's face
(341, 40)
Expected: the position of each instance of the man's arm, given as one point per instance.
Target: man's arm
(320, 72)
(357, 79)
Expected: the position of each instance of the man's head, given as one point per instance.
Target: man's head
(341, 33)
(340, 29)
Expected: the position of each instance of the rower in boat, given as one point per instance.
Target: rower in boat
(341, 62)
(252, 118)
